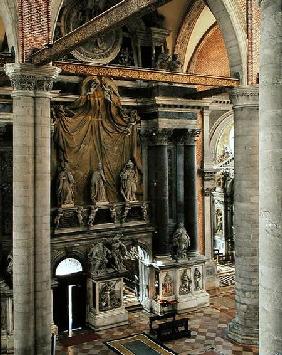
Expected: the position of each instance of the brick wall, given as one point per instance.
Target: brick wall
(210, 56)
(34, 25)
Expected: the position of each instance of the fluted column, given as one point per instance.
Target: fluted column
(244, 328)
(190, 189)
(31, 207)
(270, 137)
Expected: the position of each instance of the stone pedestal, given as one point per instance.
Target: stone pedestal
(106, 308)
(179, 286)
(244, 328)
(31, 206)
(270, 178)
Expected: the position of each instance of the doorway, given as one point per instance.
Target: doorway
(69, 297)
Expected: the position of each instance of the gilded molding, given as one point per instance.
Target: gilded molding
(145, 74)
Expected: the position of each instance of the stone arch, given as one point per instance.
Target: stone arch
(56, 6)
(230, 20)
(218, 128)
(8, 13)
(60, 255)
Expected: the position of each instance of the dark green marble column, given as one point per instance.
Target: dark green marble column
(190, 189)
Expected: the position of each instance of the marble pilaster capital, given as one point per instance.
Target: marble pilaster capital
(157, 136)
(245, 96)
(28, 77)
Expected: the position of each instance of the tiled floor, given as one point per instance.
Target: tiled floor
(208, 327)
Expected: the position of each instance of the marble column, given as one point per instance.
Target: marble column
(270, 179)
(180, 180)
(158, 171)
(31, 207)
(190, 189)
(244, 327)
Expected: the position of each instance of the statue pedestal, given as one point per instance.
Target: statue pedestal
(108, 319)
(106, 308)
(179, 286)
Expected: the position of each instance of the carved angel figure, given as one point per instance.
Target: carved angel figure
(128, 182)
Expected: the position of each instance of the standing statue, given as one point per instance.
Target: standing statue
(98, 192)
(98, 257)
(197, 279)
(119, 254)
(93, 212)
(167, 286)
(128, 182)
(219, 221)
(65, 191)
(186, 283)
(80, 215)
(180, 242)
(57, 219)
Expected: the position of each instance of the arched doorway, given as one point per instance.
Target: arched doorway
(69, 297)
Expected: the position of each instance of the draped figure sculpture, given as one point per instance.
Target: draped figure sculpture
(128, 182)
(65, 191)
(98, 192)
(97, 129)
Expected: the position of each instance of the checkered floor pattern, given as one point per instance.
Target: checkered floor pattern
(208, 327)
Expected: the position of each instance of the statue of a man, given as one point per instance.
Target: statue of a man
(186, 283)
(181, 242)
(65, 192)
(98, 192)
(129, 182)
(197, 279)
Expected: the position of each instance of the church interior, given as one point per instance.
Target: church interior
(141, 177)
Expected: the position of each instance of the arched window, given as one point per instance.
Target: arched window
(68, 266)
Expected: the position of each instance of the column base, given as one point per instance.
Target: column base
(241, 335)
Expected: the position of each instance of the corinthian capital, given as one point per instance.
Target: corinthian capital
(157, 136)
(190, 136)
(27, 77)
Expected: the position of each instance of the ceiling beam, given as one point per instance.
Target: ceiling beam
(146, 75)
(108, 20)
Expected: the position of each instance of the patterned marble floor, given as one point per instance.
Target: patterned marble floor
(208, 327)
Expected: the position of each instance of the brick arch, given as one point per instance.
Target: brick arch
(229, 18)
(8, 13)
(210, 56)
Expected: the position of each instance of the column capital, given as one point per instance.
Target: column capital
(28, 77)
(190, 136)
(245, 96)
(156, 136)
